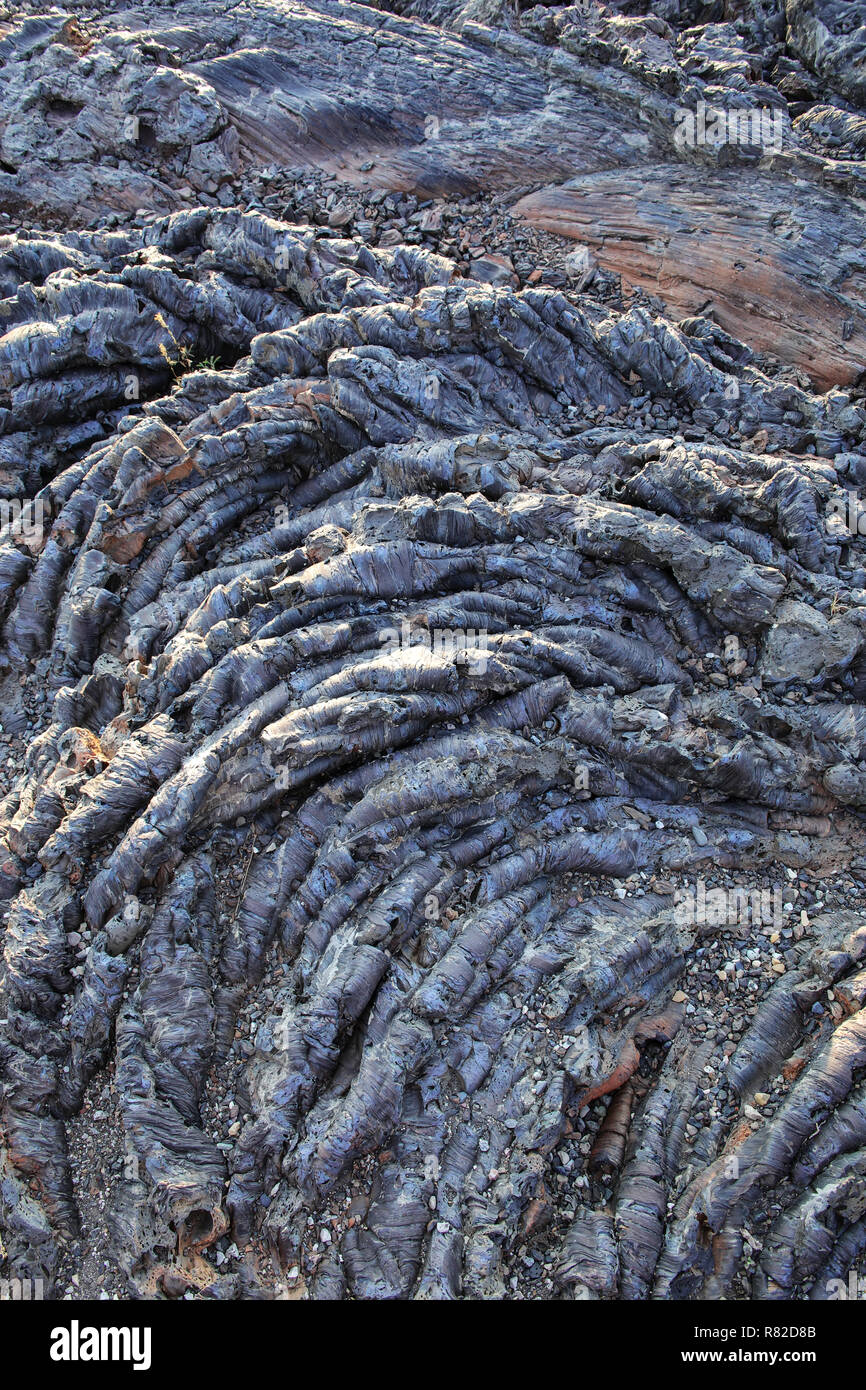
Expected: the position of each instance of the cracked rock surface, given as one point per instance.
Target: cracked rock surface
(433, 670)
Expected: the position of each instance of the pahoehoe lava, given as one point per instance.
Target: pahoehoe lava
(407, 653)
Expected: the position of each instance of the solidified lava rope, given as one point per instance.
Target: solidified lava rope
(365, 576)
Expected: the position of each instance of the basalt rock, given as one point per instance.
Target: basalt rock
(402, 659)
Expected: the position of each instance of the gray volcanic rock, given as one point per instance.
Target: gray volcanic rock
(830, 37)
(431, 656)
(802, 643)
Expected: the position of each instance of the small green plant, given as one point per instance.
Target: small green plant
(182, 362)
